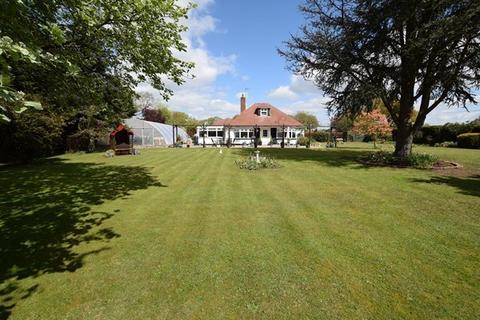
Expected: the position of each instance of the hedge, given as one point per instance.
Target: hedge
(469, 140)
(320, 136)
(448, 132)
(30, 135)
(303, 141)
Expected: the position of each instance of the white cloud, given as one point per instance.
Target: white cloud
(315, 105)
(311, 105)
(207, 67)
(298, 86)
(282, 92)
(443, 114)
(301, 86)
(204, 104)
(301, 95)
(199, 96)
(198, 26)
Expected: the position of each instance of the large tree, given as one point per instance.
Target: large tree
(11, 100)
(423, 52)
(343, 123)
(373, 123)
(88, 56)
(154, 115)
(181, 119)
(378, 104)
(307, 119)
(144, 100)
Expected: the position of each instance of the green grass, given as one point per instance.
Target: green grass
(184, 233)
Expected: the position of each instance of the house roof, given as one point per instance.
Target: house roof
(250, 118)
(119, 128)
(221, 122)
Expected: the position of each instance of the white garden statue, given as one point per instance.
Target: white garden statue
(257, 156)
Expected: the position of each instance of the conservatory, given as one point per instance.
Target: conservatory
(154, 134)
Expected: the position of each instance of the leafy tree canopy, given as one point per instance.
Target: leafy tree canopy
(342, 123)
(378, 104)
(373, 123)
(163, 114)
(209, 121)
(307, 119)
(13, 101)
(83, 58)
(100, 49)
(154, 115)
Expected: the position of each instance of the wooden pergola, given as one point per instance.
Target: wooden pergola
(121, 140)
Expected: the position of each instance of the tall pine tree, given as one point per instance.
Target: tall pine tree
(416, 52)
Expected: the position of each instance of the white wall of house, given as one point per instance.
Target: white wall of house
(291, 135)
(212, 135)
(243, 135)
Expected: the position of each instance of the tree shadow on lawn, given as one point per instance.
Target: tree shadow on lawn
(338, 157)
(46, 211)
(466, 185)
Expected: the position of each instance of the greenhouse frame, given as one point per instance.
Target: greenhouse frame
(154, 134)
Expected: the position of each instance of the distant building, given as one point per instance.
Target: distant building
(261, 121)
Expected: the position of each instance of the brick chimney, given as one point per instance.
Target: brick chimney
(243, 103)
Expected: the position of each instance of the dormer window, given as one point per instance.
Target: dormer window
(264, 112)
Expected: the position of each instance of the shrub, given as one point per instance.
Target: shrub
(320, 136)
(416, 160)
(269, 162)
(81, 141)
(469, 140)
(448, 132)
(303, 141)
(421, 160)
(250, 163)
(31, 135)
(380, 157)
(446, 144)
(367, 138)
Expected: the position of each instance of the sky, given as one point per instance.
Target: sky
(234, 47)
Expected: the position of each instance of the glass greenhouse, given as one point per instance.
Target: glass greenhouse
(153, 134)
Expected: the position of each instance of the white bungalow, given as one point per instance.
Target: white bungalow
(261, 120)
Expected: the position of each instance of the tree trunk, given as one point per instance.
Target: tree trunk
(404, 139)
(405, 133)
(403, 142)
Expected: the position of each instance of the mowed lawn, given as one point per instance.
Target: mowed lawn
(185, 234)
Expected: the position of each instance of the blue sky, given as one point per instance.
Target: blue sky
(234, 46)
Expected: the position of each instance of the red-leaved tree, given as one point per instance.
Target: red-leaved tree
(374, 124)
(154, 115)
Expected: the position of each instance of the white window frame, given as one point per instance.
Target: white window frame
(211, 132)
(264, 112)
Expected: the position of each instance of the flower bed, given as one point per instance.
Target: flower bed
(255, 163)
(415, 160)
